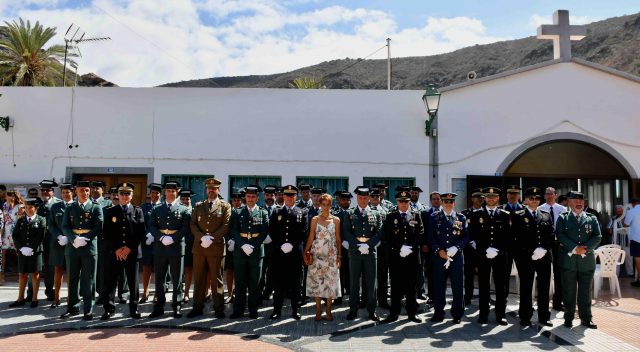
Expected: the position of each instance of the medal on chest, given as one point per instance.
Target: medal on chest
(114, 219)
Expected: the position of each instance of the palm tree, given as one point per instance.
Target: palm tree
(307, 83)
(23, 59)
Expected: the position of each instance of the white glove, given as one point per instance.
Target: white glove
(286, 247)
(538, 253)
(473, 244)
(79, 242)
(63, 240)
(149, 240)
(29, 251)
(231, 245)
(492, 252)
(24, 251)
(363, 248)
(405, 251)
(451, 251)
(345, 244)
(167, 240)
(447, 263)
(76, 243)
(247, 248)
(267, 240)
(206, 241)
(83, 240)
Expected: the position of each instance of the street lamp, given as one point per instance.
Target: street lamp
(431, 99)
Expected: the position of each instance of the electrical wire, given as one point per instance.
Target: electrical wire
(359, 60)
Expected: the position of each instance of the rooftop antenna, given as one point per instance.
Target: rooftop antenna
(75, 35)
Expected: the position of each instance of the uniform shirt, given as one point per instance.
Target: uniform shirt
(557, 210)
(632, 219)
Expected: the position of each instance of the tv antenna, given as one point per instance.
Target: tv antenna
(72, 38)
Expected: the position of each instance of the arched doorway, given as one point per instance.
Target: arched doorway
(567, 161)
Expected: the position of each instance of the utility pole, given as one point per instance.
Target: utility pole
(388, 63)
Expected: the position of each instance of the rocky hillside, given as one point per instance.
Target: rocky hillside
(614, 42)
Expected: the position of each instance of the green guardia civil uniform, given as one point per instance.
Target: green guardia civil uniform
(248, 227)
(56, 251)
(573, 231)
(86, 221)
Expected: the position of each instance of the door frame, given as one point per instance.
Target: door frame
(71, 171)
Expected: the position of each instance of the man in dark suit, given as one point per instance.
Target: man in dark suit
(490, 227)
(123, 230)
(512, 205)
(288, 227)
(470, 251)
(532, 253)
(169, 225)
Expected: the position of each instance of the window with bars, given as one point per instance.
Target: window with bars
(193, 182)
(239, 181)
(391, 182)
(330, 183)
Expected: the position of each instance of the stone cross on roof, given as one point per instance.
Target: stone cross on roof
(562, 33)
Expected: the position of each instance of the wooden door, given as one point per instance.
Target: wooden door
(112, 180)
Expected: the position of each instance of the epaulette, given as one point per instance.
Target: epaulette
(476, 210)
(519, 212)
(505, 211)
(543, 211)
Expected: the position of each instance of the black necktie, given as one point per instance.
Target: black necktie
(286, 211)
(28, 220)
(210, 205)
(403, 216)
(491, 213)
(168, 206)
(124, 208)
(552, 218)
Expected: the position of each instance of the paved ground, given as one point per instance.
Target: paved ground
(27, 329)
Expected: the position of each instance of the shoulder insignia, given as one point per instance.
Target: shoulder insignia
(505, 211)
(519, 212)
(543, 211)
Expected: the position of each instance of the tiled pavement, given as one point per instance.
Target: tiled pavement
(31, 329)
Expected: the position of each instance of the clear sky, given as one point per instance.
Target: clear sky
(160, 41)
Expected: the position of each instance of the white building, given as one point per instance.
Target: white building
(566, 123)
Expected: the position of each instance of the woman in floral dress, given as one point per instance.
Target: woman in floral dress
(10, 213)
(323, 245)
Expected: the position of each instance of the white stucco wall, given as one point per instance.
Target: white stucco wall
(287, 132)
(481, 124)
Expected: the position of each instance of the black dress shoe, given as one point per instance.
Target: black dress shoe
(275, 315)
(194, 313)
(525, 322)
(69, 313)
(482, 320)
(296, 316)
(437, 318)
(55, 304)
(455, 321)
(568, 324)
(547, 323)
(374, 317)
(176, 313)
(589, 324)
(135, 315)
(414, 319)
(429, 302)
(502, 321)
(235, 315)
(107, 315)
(28, 298)
(219, 315)
(88, 316)
(253, 315)
(33, 304)
(156, 313)
(390, 319)
(18, 303)
(143, 300)
(352, 315)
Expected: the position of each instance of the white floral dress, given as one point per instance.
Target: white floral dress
(9, 219)
(323, 277)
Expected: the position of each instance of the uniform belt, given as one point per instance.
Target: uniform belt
(362, 239)
(80, 231)
(249, 235)
(168, 232)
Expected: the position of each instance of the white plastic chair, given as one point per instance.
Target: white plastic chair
(610, 258)
(617, 246)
